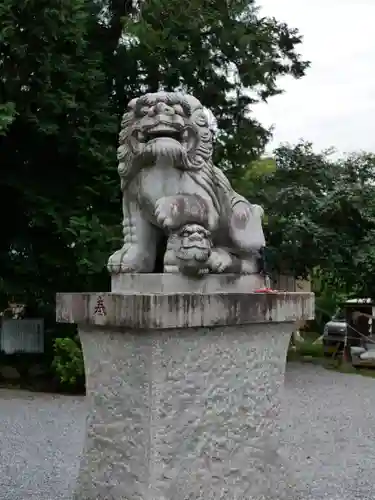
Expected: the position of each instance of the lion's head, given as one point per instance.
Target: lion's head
(168, 125)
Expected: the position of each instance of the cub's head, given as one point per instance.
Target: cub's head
(194, 249)
(164, 125)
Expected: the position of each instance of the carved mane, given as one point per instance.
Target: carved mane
(198, 163)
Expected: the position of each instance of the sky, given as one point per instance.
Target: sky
(334, 104)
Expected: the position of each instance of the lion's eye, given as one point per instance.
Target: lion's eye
(178, 109)
(143, 111)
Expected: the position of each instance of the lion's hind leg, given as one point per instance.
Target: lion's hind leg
(245, 226)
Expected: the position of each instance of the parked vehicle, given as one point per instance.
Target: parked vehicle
(334, 333)
(353, 322)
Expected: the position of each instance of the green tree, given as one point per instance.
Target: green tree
(349, 212)
(57, 145)
(320, 216)
(67, 71)
(292, 196)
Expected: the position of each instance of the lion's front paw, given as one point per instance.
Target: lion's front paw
(167, 212)
(130, 259)
(219, 260)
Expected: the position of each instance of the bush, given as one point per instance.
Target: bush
(68, 362)
(305, 350)
(310, 349)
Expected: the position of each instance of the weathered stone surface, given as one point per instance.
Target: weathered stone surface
(184, 388)
(173, 192)
(177, 283)
(115, 463)
(160, 311)
(184, 414)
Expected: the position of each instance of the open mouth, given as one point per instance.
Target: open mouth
(163, 134)
(185, 137)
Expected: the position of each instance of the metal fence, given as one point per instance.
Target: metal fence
(22, 335)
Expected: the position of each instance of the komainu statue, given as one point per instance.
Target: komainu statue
(175, 201)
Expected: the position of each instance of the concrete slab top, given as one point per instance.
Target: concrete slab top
(142, 283)
(187, 310)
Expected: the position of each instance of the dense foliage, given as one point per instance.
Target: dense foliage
(320, 215)
(68, 362)
(67, 71)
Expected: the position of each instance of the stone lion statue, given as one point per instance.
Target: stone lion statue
(175, 199)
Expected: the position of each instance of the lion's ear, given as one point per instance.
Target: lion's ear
(132, 104)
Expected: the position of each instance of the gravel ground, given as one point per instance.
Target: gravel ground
(41, 437)
(328, 435)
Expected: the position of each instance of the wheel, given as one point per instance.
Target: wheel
(332, 347)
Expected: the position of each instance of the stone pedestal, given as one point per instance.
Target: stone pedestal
(184, 389)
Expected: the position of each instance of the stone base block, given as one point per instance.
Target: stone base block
(177, 283)
(184, 414)
(187, 310)
(183, 392)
